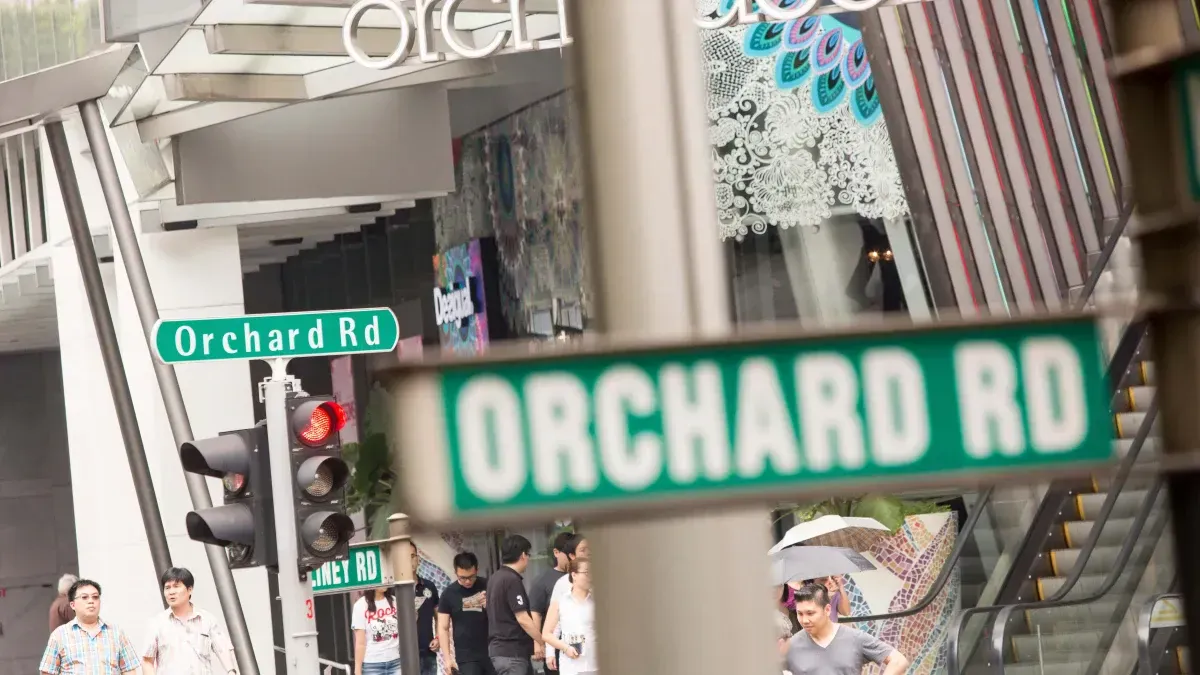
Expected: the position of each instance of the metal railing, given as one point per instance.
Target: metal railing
(329, 666)
(1119, 365)
(1146, 651)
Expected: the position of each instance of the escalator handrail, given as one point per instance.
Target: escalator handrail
(1143, 629)
(943, 577)
(1124, 470)
(999, 624)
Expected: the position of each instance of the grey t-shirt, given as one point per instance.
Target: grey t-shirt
(846, 654)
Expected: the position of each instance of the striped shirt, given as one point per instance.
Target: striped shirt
(73, 651)
(197, 645)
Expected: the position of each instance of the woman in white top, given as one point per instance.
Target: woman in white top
(575, 614)
(376, 634)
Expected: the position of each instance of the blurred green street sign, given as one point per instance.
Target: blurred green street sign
(623, 430)
(269, 336)
(366, 568)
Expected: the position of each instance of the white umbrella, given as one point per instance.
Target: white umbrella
(811, 562)
(856, 533)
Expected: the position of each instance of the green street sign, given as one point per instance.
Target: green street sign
(270, 336)
(598, 432)
(367, 567)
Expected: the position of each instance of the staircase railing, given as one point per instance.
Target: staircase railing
(1146, 651)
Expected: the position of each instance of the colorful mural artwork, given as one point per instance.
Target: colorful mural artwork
(908, 564)
(460, 305)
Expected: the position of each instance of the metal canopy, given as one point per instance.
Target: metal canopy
(242, 57)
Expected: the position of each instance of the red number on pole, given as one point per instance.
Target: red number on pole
(308, 606)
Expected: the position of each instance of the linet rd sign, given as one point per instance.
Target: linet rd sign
(269, 336)
(594, 433)
(366, 568)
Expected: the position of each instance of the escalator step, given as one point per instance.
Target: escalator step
(1148, 451)
(1062, 561)
(1061, 647)
(1139, 398)
(1112, 534)
(1071, 619)
(1182, 662)
(1147, 372)
(1126, 506)
(1087, 585)
(1046, 669)
(1128, 423)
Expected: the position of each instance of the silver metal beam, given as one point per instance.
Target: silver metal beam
(242, 87)
(168, 382)
(110, 351)
(33, 190)
(16, 196)
(48, 91)
(483, 6)
(271, 40)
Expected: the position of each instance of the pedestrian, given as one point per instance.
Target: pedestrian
(828, 648)
(576, 548)
(86, 645)
(543, 588)
(573, 617)
(184, 639)
(513, 638)
(60, 610)
(463, 607)
(839, 601)
(426, 600)
(376, 633)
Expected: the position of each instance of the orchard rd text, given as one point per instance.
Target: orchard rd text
(417, 28)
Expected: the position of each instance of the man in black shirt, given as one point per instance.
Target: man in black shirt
(540, 592)
(464, 603)
(426, 600)
(513, 637)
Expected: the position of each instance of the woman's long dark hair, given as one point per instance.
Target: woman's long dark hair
(389, 595)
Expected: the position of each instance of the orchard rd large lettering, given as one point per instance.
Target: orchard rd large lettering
(417, 27)
(696, 422)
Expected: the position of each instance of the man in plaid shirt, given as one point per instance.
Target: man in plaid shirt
(87, 645)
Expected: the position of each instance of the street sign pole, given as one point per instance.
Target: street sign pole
(400, 552)
(660, 274)
(295, 594)
(1160, 110)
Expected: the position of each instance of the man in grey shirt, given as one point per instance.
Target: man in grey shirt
(827, 648)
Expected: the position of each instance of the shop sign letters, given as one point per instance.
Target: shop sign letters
(418, 27)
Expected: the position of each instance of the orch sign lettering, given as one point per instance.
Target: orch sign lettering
(417, 29)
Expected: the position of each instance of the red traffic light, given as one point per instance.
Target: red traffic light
(316, 422)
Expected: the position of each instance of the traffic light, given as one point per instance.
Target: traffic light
(245, 523)
(323, 529)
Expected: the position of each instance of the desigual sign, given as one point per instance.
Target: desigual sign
(452, 306)
(418, 28)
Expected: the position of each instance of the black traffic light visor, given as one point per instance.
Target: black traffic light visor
(222, 525)
(320, 526)
(316, 423)
(227, 453)
(330, 473)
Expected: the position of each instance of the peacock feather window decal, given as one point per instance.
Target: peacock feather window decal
(796, 123)
(821, 51)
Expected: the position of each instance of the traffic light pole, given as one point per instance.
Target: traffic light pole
(110, 350)
(660, 275)
(295, 594)
(168, 382)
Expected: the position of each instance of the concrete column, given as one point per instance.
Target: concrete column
(194, 273)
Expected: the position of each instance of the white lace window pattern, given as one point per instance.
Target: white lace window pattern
(778, 160)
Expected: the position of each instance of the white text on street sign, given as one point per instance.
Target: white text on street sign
(268, 336)
(746, 421)
(366, 568)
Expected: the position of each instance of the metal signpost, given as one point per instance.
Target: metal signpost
(277, 338)
(605, 431)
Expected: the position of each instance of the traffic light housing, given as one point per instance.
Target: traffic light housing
(323, 529)
(245, 523)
